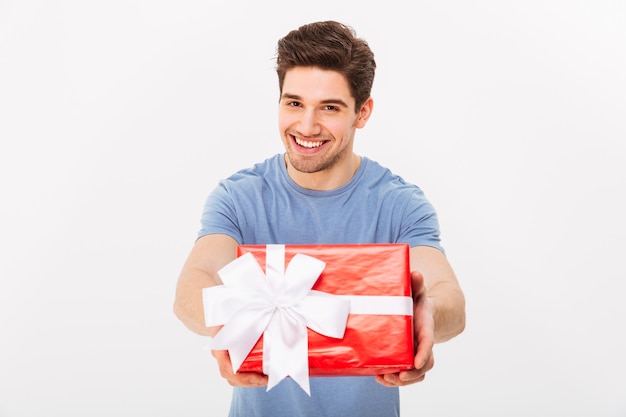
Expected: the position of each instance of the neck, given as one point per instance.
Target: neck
(329, 179)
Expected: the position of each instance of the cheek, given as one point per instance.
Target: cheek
(285, 121)
(339, 128)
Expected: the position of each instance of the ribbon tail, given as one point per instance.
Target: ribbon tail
(288, 352)
(300, 374)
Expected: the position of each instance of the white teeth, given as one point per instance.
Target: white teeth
(308, 144)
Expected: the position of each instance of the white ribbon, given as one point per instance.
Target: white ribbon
(278, 305)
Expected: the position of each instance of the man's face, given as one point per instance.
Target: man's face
(317, 119)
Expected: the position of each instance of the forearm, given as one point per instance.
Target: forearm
(442, 290)
(448, 305)
(188, 306)
(209, 254)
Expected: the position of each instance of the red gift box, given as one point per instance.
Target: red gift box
(373, 343)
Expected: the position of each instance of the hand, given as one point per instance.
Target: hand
(424, 335)
(241, 379)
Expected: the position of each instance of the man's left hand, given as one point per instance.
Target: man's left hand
(424, 336)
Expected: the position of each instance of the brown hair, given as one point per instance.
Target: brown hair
(331, 46)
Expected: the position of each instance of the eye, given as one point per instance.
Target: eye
(330, 107)
(294, 104)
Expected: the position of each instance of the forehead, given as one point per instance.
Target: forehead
(316, 85)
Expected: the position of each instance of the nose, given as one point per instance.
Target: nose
(308, 124)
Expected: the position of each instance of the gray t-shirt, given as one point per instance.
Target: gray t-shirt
(263, 205)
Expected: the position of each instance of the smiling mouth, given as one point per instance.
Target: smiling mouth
(309, 144)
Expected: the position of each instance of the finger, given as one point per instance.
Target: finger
(411, 377)
(417, 284)
(428, 365)
(388, 380)
(248, 379)
(401, 379)
(244, 379)
(424, 353)
(424, 332)
(223, 362)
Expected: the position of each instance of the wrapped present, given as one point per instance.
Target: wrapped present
(300, 310)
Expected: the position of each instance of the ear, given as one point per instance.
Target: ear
(364, 113)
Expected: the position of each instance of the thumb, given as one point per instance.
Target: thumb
(417, 284)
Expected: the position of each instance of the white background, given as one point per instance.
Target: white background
(117, 118)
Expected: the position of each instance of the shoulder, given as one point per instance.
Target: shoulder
(386, 180)
(267, 170)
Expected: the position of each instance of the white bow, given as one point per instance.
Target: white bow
(279, 305)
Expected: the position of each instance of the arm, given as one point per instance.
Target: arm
(439, 311)
(441, 289)
(208, 255)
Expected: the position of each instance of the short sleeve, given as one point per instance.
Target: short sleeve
(219, 214)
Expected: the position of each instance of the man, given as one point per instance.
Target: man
(320, 192)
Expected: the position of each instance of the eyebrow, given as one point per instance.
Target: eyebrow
(327, 101)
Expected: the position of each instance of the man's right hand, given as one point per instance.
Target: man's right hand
(240, 379)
